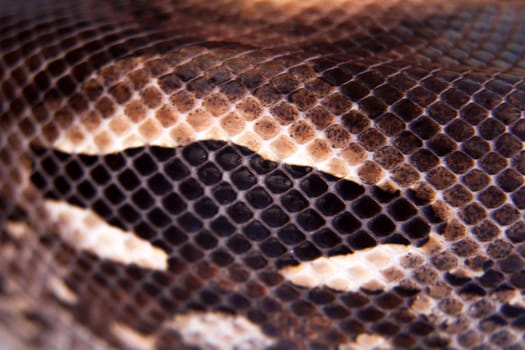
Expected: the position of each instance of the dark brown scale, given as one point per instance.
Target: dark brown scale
(355, 122)
(267, 95)
(337, 136)
(506, 215)
(424, 127)
(424, 98)
(508, 145)
(405, 175)
(493, 163)
(337, 103)
(371, 139)
(490, 129)
(424, 160)
(284, 112)
(372, 106)
(472, 214)
(441, 178)
(388, 157)
(459, 162)
(476, 147)
(320, 117)
(457, 196)
(455, 98)
(355, 90)
(139, 78)
(303, 99)
(486, 231)
(407, 110)
(506, 113)
(407, 142)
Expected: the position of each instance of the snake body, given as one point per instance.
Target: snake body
(264, 174)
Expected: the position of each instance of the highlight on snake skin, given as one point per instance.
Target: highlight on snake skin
(187, 174)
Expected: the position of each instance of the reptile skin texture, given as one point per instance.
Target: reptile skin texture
(262, 174)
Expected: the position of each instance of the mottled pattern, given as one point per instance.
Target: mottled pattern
(244, 137)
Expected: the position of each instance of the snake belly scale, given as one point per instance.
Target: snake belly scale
(262, 174)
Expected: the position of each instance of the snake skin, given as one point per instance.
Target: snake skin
(232, 141)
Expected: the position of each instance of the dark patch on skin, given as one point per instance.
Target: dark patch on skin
(200, 87)
(491, 128)
(370, 172)
(445, 261)
(105, 106)
(187, 72)
(486, 231)
(64, 118)
(499, 249)
(372, 106)
(454, 230)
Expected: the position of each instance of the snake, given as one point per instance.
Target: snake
(234, 174)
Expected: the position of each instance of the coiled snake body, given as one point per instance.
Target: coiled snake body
(262, 174)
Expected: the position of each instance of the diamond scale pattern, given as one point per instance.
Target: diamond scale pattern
(236, 139)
